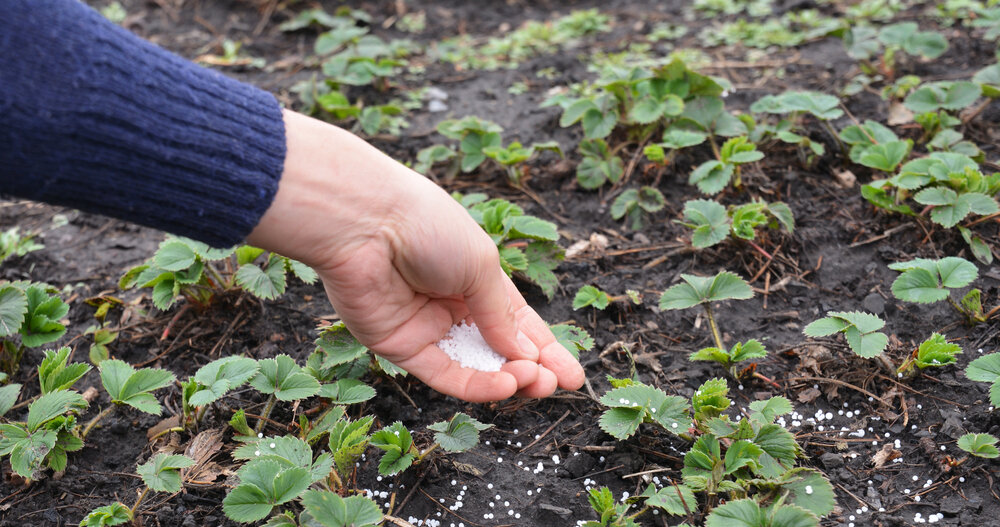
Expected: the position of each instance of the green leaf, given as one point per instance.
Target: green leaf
(348, 440)
(13, 307)
(267, 284)
(128, 386)
(944, 95)
(768, 410)
(459, 434)
(918, 285)
(264, 484)
(989, 80)
(162, 473)
(589, 295)
(41, 322)
(572, 338)
(8, 397)
(981, 445)
(396, 441)
(621, 422)
(331, 510)
(709, 221)
(886, 156)
(985, 368)
(751, 349)
(710, 399)
(711, 176)
(114, 514)
(738, 513)
(222, 375)
(543, 258)
(809, 489)
(740, 454)
(246, 254)
(246, 503)
(338, 346)
(52, 405)
(936, 351)
(283, 378)
(174, 255)
(677, 501)
(956, 272)
(532, 228)
(599, 124)
(54, 374)
(697, 290)
(793, 516)
(347, 391)
(778, 443)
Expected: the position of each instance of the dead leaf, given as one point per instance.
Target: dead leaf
(885, 455)
(201, 449)
(90, 394)
(808, 396)
(899, 114)
(160, 428)
(468, 469)
(577, 249)
(845, 178)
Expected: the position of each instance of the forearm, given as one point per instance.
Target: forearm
(95, 118)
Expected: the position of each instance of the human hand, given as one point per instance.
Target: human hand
(402, 262)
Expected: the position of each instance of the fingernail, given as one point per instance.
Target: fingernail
(527, 346)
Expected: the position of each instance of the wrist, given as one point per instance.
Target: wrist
(336, 192)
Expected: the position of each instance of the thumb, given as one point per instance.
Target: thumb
(492, 303)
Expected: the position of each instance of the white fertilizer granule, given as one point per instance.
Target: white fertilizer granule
(465, 344)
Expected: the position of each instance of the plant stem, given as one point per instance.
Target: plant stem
(216, 276)
(97, 418)
(833, 133)
(422, 455)
(713, 326)
(266, 414)
(131, 512)
(715, 147)
(338, 483)
(958, 307)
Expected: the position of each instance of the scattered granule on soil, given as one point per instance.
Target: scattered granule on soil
(465, 344)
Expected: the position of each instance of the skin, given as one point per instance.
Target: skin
(402, 261)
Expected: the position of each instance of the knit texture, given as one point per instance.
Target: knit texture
(95, 118)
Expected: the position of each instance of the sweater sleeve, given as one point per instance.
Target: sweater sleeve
(95, 118)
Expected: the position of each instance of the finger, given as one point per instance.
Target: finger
(491, 305)
(525, 371)
(552, 355)
(427, 325)
(543, 387)
(437, 370)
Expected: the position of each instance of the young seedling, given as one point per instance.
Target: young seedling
(348, 440)
(126, 385)
(282, 380)
(859, 329)
(926, 281)
(712, 223)
(32, 312)
(636, 403)
(589, 295)
(527, 244)
(987, 369)
(699, 290)
(573, 338)
(183, 268)
(714, 175)
(55, 373)
(729, 359)
(475, 136)
(979, 445)
(612, 513)
(674, 139)
(264, 484)
(633, 204)
(599, 164)
(160, 474)
(863, 42)
(515, 155)
(459, 434)
(823, 107)
(13, 244)
(43, 440)
(211, 382)
(936, 351)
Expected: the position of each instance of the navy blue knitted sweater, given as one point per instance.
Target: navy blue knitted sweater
(95, 118)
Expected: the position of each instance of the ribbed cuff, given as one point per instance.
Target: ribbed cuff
(98, 119)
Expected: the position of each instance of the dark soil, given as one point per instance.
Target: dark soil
(828, 264)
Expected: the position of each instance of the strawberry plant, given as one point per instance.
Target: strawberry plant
(979, 445)
(281, 379)
(527, 244)
(32, 312)
(714, 175)
(673, 140)
(758, 463)
(160, 474)
(859, 329)
(712, 223)
(188, 269)
(611, 512)
(864, 42)
(458, 434)
(128, 386)
(599, 164)
(12, 243)
(43, 440)
(474, 136)
(926, 281)
(516, 154)
(331, 510)
(573, 338)
(934, 352)
(698, 290)
(633, 204)
(987, 369)
(729, 359)
(589, 295)
(823, 107)
(211, 382)
(56, 373)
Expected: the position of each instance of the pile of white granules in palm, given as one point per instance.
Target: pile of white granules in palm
(465, 344)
